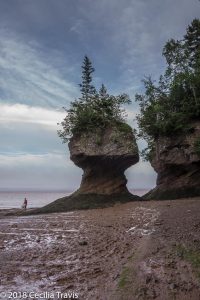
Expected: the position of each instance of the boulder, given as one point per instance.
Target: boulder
(178, 166)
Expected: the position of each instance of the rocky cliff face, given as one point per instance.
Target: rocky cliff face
(178, 166)
(104, 157)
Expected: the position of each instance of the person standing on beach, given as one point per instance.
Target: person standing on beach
(25, 203)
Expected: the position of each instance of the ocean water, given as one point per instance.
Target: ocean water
(37, 199)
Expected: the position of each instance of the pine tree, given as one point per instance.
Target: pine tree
(88, 91)
(192, 39)
(93, 111)
(103, 91)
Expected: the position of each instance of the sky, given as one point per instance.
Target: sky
(42, 45)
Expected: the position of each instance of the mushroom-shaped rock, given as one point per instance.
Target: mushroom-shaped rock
(104, 156)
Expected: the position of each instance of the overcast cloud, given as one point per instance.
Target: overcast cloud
(42, 44)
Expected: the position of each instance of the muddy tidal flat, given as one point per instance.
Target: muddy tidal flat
(137, 250)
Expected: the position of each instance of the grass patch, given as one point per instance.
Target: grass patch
(124, 278)
(131, 257)
(190, 255)
(123, 127)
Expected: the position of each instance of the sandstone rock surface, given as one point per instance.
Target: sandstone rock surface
(178, 166)
(104, 157)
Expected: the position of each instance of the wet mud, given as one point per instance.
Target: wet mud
(129, 251)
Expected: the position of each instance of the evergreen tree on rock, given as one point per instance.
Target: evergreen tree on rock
(88, 91)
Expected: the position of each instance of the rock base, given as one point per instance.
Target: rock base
(85, 201)
(172, 194)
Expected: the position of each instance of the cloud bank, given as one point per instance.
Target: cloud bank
(42, 44)
(28, 76)
(21, 113)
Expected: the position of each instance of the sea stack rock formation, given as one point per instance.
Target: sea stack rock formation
(104, 156)
(178, 166)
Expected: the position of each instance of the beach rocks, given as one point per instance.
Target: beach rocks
(104, 156)
(177, 163)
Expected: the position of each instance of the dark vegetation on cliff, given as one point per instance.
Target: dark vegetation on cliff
(94, 110)
(169, 106)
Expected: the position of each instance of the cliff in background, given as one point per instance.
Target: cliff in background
(178, 166)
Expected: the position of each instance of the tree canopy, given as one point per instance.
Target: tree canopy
(94, 110)
(168, 106)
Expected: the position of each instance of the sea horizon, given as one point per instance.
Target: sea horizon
(38, 198)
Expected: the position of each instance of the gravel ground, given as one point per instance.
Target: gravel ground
(137, 250)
